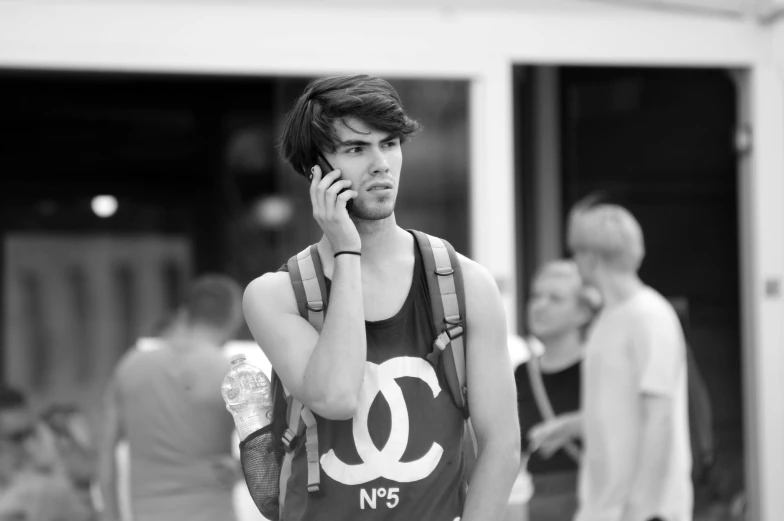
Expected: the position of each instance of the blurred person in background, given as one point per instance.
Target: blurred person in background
(636, 463)
(167, 404)
(72, 450)
(31, 486)
(380, 317)
(559, 310)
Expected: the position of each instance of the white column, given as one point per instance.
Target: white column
(492, 194)
(762, 261)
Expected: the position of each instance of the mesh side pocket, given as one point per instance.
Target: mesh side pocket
(260, 458)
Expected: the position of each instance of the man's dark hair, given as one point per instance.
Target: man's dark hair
(309, 128)
(11, 398)
(213, 300)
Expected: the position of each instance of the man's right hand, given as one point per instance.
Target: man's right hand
(324, 370)
(329, 209)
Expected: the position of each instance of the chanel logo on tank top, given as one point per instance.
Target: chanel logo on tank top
(385, 462)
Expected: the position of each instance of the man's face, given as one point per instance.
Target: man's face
(554, 307)
(371, 160)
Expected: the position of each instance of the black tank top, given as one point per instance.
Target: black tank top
(400, 457)
(563, 388)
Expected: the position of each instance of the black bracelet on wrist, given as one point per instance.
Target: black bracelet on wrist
(348, 252)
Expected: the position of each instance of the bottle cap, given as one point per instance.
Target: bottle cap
(237, 359)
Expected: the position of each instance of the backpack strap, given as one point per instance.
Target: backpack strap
(307, 279)
(544, 405)
(292, 424)
(311, 450)
(447, 301)
(280, 422)
(310, 289)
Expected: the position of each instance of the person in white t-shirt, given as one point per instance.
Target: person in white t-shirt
(637, 459)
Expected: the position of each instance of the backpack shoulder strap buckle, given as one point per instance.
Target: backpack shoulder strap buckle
(292, 424)
(447, 335)
(454, 321)
(288, 439)
(316, 306)
(455, 331)
(310, 288)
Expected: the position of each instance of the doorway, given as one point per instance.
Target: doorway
(660, 142)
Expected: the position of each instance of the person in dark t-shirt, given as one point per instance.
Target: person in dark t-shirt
(548, 385)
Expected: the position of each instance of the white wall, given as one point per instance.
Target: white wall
(761, 187)
(249, 37)
(762, 261)
(777, 37)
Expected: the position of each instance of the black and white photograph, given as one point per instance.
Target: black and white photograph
(428, 260)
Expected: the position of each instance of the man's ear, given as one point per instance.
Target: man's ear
(590, 303)
(594, 260)
(592, 297)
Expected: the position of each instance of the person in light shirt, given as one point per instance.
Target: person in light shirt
(636, 464)
(164, 400)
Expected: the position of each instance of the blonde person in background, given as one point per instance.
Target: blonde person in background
(636, 463)
(548, 387)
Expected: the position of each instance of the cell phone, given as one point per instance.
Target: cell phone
(326, 168)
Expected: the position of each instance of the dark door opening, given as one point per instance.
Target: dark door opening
(191, 165)
(661, 143)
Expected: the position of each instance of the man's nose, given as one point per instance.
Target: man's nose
(379, 164)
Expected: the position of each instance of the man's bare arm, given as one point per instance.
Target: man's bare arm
(111, 434)
(492, 397)
(325, 372)
(657, 349)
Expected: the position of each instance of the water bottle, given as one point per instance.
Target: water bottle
(248, 396)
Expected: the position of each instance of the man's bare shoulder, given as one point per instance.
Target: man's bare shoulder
(484, 304)
(476, 276)
(271, 291)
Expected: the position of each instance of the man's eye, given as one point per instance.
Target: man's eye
(354, 150)
(391, 144)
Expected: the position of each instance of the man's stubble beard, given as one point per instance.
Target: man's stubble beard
(377, 213)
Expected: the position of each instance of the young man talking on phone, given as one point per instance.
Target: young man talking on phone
(390, 438)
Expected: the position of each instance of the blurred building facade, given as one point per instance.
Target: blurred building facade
(676, 108)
